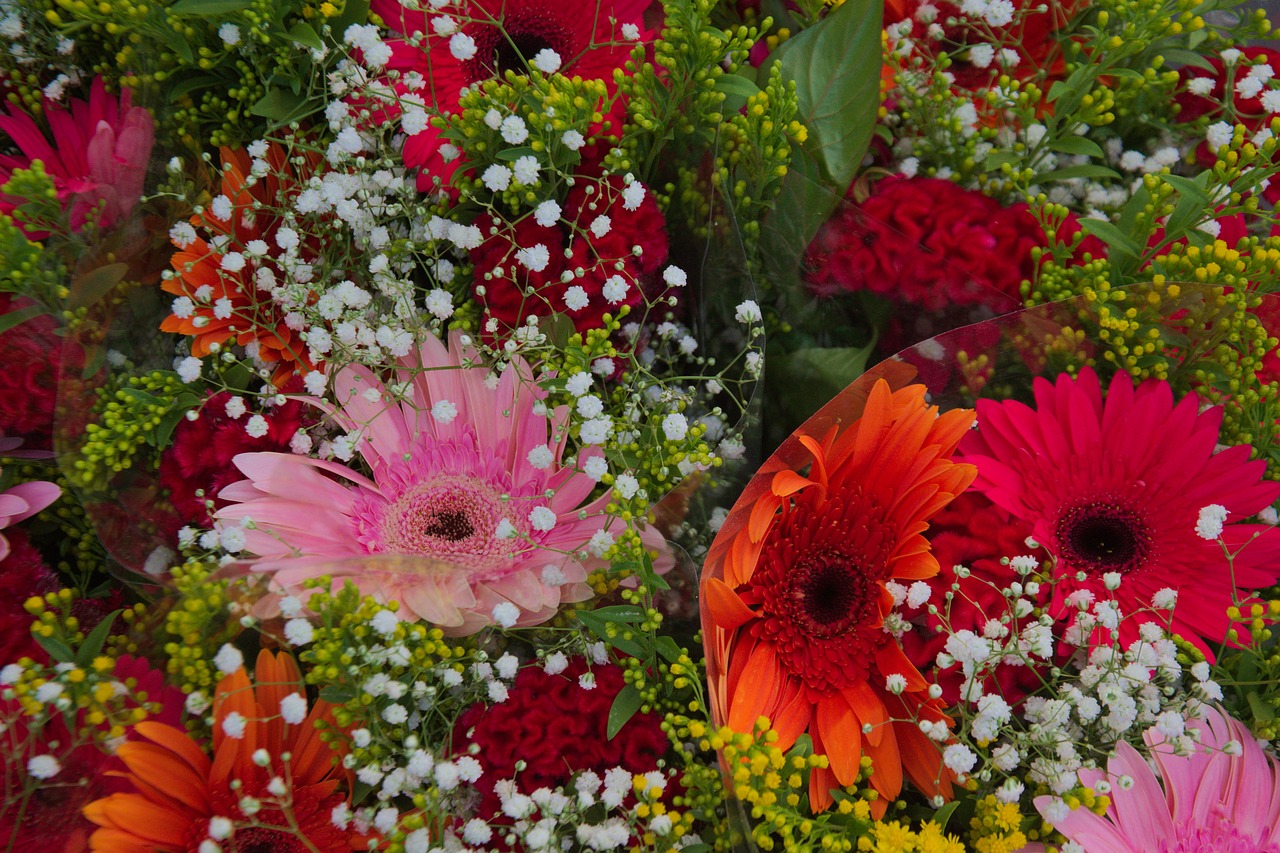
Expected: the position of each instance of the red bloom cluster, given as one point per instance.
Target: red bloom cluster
(636, 238)
(22, 574)
(557, 729)
(1033, 33)
(200, 457)
(929, 243)
(1247, 111)
(32, 355)
(974, 533)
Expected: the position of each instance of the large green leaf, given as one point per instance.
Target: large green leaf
(836, 66)
(280, 105)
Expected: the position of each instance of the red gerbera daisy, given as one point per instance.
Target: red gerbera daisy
(795, 623)
(591, 40)
(1117, 487)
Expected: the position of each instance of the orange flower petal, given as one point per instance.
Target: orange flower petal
(841, 735)
(870, 710)
(757, 691)
(727, 610)
(886, 767)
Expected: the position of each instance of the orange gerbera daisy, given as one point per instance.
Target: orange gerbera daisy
(795, 597)
(231, 288)
(179, 790)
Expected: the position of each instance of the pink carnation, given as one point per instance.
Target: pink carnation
(469, 504)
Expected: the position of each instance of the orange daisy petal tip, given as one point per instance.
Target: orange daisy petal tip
(795, 597)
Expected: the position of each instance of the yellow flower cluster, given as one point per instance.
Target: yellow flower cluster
(345, 649)
(896, 837)
(199, 623)
(996, 827)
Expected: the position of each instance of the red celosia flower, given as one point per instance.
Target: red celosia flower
(200, 457)
(249, 314)
(96, 152)
(23, 573)
(794, 600)
(928, 243)
(557, 729)
(571, 245)
(1117, 487)
(588, 37)
(32, 354)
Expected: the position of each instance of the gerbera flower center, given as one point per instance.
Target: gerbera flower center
(830, 594)
(1224, 837)
(259, 839)
(448, 517)
(513, 45)
(1103, 536)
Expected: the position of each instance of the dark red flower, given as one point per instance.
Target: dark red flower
(200, 457)
(22, 574)
(930, 243)
(31, 353)
(507, 34)
(974, 533)
(557, 729)
(571, 245)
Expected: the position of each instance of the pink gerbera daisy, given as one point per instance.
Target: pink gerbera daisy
(468, 512)
(1221, 798)
(20, 502)
(1117, 487)
(97, 155)
(591, 39)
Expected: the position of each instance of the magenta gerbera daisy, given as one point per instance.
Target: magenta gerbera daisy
(465, 42)
(1115, 487)
(469, 515)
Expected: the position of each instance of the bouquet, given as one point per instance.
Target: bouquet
(391, 459)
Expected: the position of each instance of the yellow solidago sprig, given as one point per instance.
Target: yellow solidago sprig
(392, 681)
(997, 827)
(198, 625)
(1249, 669)
(769, 784)
(131, 413)
(521, 124)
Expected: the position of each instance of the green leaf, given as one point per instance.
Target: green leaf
(1263, 712)
(1077, 145)
(1178, 56)
(303, 34)
(95, 284)
(280, 105)
(668, 648)
(623, 709)
(163, 432)
(353, 12)
(92, 645)
(1086, 171)
(208, 8)
(17, 318)
(942, 815)
(737, 89)
(59, 651)
(805, 380)
(189, 84)
(836, 67)
(1116, 240)
(802, 206)
(1192, 208)
(337, 694)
